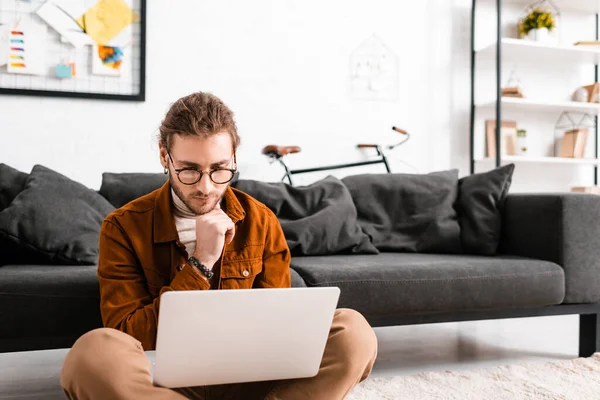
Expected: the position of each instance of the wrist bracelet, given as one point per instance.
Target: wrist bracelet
(201, 267)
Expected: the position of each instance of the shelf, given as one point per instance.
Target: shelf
(525, 50)
(543, 160)
(514, 103)
(587, 6)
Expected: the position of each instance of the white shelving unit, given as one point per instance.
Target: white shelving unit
(586, 6)
(514, 50)
(512, 103)
(503, 51)
(542, 160)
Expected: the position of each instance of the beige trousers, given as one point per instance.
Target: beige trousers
(109, 364)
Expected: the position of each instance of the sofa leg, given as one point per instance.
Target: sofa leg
(589, 334)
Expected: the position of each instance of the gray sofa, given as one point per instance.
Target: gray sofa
(548, 263)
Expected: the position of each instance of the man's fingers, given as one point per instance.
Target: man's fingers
(229, 234)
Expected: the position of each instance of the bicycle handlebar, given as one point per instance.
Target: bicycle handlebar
(399, 130)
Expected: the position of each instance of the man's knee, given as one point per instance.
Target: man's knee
(359, 341)
(93, 352)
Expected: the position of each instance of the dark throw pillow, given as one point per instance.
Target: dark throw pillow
(120, 189)
(318, 219)
(408, 212)
(12, 182)
(55, 219)
(480, 201)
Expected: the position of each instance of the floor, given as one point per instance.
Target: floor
(407, 350)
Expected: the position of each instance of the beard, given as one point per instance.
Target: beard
(197, 202)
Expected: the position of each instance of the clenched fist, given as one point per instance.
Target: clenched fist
(213, 230)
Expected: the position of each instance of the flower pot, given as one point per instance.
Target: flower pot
(522, 142)
(522, 146)
(538, 35)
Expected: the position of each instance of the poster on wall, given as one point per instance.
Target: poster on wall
(374, 71)
(26, 53)
(73, 48)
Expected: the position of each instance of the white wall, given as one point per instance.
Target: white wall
(282, 66)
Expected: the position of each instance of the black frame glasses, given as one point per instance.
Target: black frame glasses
(201, 173)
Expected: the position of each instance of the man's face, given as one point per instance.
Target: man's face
(205, 154)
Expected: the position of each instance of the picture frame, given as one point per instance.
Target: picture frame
(72, 66)
(508, 139)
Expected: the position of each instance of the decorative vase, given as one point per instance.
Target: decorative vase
(538, 35)
(581, 95)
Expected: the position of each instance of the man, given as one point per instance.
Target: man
(196, 233)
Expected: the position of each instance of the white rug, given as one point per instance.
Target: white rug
(565, 380)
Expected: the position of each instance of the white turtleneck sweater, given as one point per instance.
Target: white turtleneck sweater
(185, 221)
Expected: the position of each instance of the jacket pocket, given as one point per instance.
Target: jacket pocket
(240, 274)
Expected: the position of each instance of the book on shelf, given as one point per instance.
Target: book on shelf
(573, 143)
(508, 138)
(512, 92)
(593, 91)
(586, 189)
(590, 43)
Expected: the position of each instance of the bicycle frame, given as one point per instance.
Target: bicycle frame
(381, 159)
(289, 172)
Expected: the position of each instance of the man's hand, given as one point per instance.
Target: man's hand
(213, 230)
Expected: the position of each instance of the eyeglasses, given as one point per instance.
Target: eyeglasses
(190, 176)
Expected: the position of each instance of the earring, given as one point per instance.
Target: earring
(166, 171)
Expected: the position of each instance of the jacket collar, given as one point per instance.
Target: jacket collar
(233, 208)
(164, 221)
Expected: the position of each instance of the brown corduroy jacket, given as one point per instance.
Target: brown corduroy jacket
(141, 257)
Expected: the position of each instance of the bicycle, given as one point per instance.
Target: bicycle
(277, 153)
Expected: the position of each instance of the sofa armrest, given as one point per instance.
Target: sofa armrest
(561, 228)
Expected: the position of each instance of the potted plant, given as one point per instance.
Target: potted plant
(536, 24)
(521, 142)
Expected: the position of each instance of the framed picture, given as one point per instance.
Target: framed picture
(508, 138)
(93, 49)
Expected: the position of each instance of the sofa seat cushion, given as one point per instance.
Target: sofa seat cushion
(405, 284)
(297, 280)
(48, 301)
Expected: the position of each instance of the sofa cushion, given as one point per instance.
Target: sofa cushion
(56, 218)
(297, 280)
(120, 189)
(480, 201)
(12, 182)
(408, 212)
(316, 219)
(404, 284)
(47, 301)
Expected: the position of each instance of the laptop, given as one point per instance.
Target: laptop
(212, 337)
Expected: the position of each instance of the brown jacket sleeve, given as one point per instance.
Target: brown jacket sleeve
(125, 303)
(276, 258)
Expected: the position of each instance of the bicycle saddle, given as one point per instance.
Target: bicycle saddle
(280, 151)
